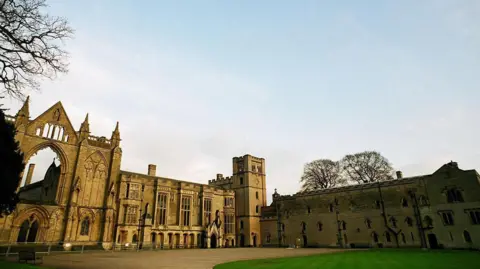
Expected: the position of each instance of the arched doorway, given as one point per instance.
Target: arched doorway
(255, 240)
(213, 241)
(432, 241)
(242, 240)
(153, 238)
(233, 243)
(305, 242)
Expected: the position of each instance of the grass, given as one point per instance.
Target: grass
(9, 265)
(391, 259)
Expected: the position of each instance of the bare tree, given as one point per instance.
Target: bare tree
(30, 45)
(321, 174)
(366, 167)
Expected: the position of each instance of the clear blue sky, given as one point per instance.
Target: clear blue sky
(194, 83)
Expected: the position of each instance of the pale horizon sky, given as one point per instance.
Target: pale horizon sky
(196, 83)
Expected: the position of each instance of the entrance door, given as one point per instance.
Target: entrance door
(255, 240)
(432, 240)
(305, 243)
(213, 241)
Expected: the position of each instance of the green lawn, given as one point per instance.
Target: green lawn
(369, 259)
(8, 265)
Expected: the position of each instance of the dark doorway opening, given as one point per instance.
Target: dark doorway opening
(255, 240)
(242, 240)
(213, 241)
(432, 240)
(305, 242)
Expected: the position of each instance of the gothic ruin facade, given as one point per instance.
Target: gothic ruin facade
(88, 199)
(440, 210)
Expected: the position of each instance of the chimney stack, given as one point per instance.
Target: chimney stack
(152, 170)
(28, 180)
(399, 175)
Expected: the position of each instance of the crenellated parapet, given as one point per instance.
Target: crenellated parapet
(220, 180)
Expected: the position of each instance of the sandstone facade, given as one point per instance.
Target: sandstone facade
(88, 199)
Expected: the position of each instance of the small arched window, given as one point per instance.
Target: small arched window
(241, 224)
(241, 180)
(393, 221)
(330, 207)
(368, 223)
(319, 226)
(256, 195)
(409, 221)
(422, 200)
(85, 226)
(256, 209)
(134, 238)
(388, 237)
(467, 237)
(309, 210)
(375, 237)
(404, 202)
(377, 204)
(344, 225)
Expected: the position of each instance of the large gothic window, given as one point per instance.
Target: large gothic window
(28, 231)
(85, 226)
(454, 196)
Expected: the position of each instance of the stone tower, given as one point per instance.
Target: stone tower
(250, 195)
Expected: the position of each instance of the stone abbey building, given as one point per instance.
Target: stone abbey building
(440, 210)
(88, 198)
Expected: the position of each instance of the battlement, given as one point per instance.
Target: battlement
(99, 141)
(356, 187)
(220, 180)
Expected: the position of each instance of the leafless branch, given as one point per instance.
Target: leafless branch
(366, 167)
(30, 45)
(321, 174)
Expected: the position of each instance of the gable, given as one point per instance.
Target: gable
(56, 120)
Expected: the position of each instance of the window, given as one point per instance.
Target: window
(241, 224)
(268, 237)
(393, 222)
(253, 168)
(467, 237)
(304, 227)
(134, 192)
(447, 218)
(256, 209)
(162, 209)
(388, 237)
(228, 202)
(330, 208)
(422, 200)
(282, 227)
(134, 238)
(375, 237)
(228, 220)
(309, 210)
(404, 202)
(474, 217)
(368, 223)
(241, 180)
(344, 225)
(259, 169)
(409, 221)
(207, 211)
(256, 195)
(319, 226)
(428, 221)
(85, 227)
(377, 204)
(186, 210)
(454, 196)
(131, 216)
(404, 240)
(127, 191)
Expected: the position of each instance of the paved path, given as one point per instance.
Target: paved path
(184, 258)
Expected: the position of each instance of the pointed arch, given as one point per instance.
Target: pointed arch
(36, 212)
(55, 147)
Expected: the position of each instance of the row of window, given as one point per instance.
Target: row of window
(52, 131)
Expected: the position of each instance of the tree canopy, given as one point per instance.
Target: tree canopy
(362, 167)
(30, 45)
(321, 174)
(11, 168)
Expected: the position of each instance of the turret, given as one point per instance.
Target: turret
(84, 129)
(115, 140)
(23, 114)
